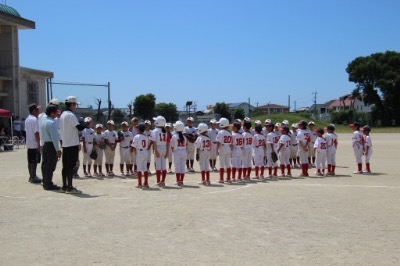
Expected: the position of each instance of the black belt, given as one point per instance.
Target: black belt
(125, 147)
(295, 144)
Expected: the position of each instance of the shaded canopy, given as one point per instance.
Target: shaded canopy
(5, 113)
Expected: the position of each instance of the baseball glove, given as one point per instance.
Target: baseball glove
(102, 146)
(120, 134)
(93, 154)
(274, 157)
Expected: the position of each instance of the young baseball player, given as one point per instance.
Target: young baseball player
(247, 152)
(99, 145)
(271, 147)
(212, 133)
(160, 142)
(320, 147)
(358, 145)
(237, 150)
(332, 142)
(125, 141)
(110, 138)
(203, 147)
(293, 149)
(259, 146)
(303, 139)
(313, 137)
(168, 128)
(367, 148)
(133, 128)
(224, 139)
(178, 147)
(191, 135)
(284, 151)
(147, 132)
(87, 139)
(139, 146)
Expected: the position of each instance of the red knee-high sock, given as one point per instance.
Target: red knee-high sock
(233, 172)
(282, 169)
(244, 171)
(203, 176)
(359, 167)
(178, 177)
(228, 172)
(248, 171)
(182, 177)
(240, 173)
(262, 171)
(208, 176)
(329, 168)
(256, 170)
(270, 170)
(221, 174)
(304, 168)
(368, 167)
(333, 168)
(139, 178)
(158, 175)
(146, 178)
(275, 171)
(289, 170)
(164, 175)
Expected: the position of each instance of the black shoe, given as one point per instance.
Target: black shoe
(35, 180)
(63, 189)
(52, 187)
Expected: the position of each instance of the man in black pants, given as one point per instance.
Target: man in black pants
(69, 129)
(51, 147)
(32, 142)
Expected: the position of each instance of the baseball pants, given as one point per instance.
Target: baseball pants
(225, 156)
(141, 160)
(246, 158)
(125, 154)
(86, 156)
(100, 153)
(204, 156)
(320, 162)
(180, 161)
(284, 156)
(161, 161)
(110, 155)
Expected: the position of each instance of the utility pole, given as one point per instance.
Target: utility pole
(315, 102)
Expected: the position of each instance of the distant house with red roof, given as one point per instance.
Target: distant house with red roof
(273, 108)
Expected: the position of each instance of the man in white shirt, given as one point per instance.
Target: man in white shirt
(32, 142)
(69, 129)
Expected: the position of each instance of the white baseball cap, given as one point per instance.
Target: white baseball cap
(87, 119)
(285, 122)
(202, 128)
(257, 122)
(311, 123)
(247, 119)
(54, 101)
(295, 125)
(71, 99)
(124, 123)
(147, 122)
(168, 125)
(190, 119)
(99, 126)
(213, 121)
(110, 122)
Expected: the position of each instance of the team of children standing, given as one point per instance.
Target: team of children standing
(237, 146)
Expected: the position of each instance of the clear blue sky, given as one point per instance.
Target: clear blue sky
(206, 50)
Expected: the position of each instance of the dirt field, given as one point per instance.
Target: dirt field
(347, 219)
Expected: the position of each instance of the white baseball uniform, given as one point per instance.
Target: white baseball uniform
(124, 147)
(111, 139)
(313, 138)
(161, 143)
(331, 140)
(179, 149)
(88, 138)
(237, 152)
(247, 149)
(271, 146)
(190, 146)
(148, 134)
(224, 138)
(134, 131)
(259, 149)
(284, 152)
(293, 140)
(367, 143)
(357, 141)
(99, 140)
(203, 143)
(303, 140)
(320, 146)
(141, 144)
(212, 133)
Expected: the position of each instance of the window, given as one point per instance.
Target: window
(33, 91)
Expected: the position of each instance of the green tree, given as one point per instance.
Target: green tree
(144, 105)
(378, 77)
(167, 110)
(223, 110)
(239, 113)
(118, 116)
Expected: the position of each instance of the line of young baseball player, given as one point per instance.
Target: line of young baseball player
(362, 147)
(273, 146)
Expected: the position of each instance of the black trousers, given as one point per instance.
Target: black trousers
(69, 157)
(49, 164)
(33, 160)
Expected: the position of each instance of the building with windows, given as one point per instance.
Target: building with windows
(19, 86)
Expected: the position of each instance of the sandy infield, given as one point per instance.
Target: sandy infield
(347, 219)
